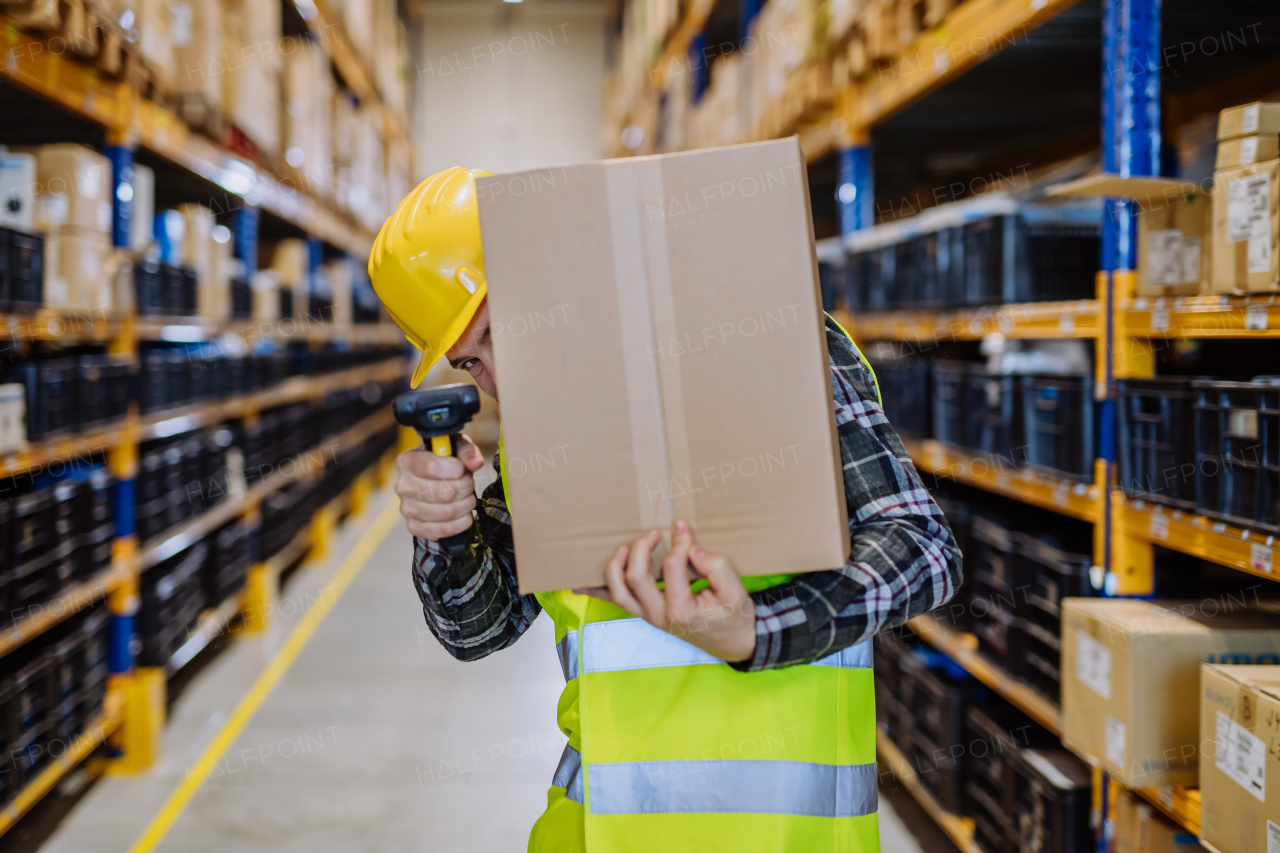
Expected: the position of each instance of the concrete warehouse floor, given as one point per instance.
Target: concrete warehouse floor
(374, 740)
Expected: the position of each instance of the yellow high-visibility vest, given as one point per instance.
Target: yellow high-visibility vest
(670, 749)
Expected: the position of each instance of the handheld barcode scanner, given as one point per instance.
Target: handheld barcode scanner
(438, 414)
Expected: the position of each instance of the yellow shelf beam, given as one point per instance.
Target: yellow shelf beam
(95, 733)
(962, 648)
(1031, 320)
(75, 599)
(1215, 541)
(1078, 500)
(1181, 805)
(958, 829)
(971, 33)
(1202, 317)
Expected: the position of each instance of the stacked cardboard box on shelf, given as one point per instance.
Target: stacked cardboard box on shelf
(73, 210)
(1240, 717)
(199, 61)
(251, 82)
(1246, 200)
(308, 96)
(1127, 667)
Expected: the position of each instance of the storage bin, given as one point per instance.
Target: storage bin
(997, 589)
(104, 388)
(1052, 798)
(993, 409)
(949, 267)
(1237, 429)
(1058, 414)
(241, 299)
(1157, 445)
(171, 602)
(23, 287)
(148, 286)
(904, 391)
(1016, 258)
(950, 395)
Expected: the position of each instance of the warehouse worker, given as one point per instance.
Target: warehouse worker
(740, 717)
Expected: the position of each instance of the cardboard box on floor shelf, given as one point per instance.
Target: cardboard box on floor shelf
(1248, 119)
(18, 191)
(196, 30)
(1247, 150)
(1138, 828)
(308, 95)
(1129, 669)
(1246, 228)
(657, 328)
(74, 189)
(1174, 229)
(1239, 794)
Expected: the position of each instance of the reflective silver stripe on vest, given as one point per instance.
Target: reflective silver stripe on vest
(569, 774)
(621, 644)
(567, 651)
(733, 786)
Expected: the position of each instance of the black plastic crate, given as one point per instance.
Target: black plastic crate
(1017, 258)
(991, 836)
(1058, 415)
(241, 298)
(997, 590)
(993, 408)
(26, 715)
(904, 390)
(1157, 443)
(1237, 427)
(171, 602)
(23, 286)
(1051, 574)
(49, 386)
(856, 280)
(234, 551)
(1052, 799)
(950, 395)
(949, 271)
(104, 389)
(828, 274)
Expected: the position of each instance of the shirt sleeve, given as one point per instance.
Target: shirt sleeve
(472, 603)
(903, 559)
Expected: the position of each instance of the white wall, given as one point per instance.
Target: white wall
(505, 86)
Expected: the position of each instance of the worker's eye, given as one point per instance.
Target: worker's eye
(469, 364)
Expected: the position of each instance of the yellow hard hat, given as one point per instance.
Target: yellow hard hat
(427, 265)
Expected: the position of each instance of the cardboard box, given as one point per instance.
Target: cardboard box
(155, 39)
(13, 416)
(1174, 234)
(1128, 670)
(1240, 718)
(76, 275)
(74, 188)
(17, 191)
(1248, 119)
(1247, 150)
(308, 96)
(657, 327)
(252, 53)
(1138, 828)
(142, 208)
(196, 31)
(1246, 229)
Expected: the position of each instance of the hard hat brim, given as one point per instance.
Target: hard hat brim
(452, 334)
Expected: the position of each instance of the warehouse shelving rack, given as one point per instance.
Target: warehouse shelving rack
(134, 709)
(1122, 325)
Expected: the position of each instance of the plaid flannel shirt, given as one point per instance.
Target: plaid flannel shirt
(903, 559)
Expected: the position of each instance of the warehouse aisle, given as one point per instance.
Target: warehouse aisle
(374, 740)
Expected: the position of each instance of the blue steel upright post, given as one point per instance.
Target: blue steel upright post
(855, 190)
(1131, 146)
